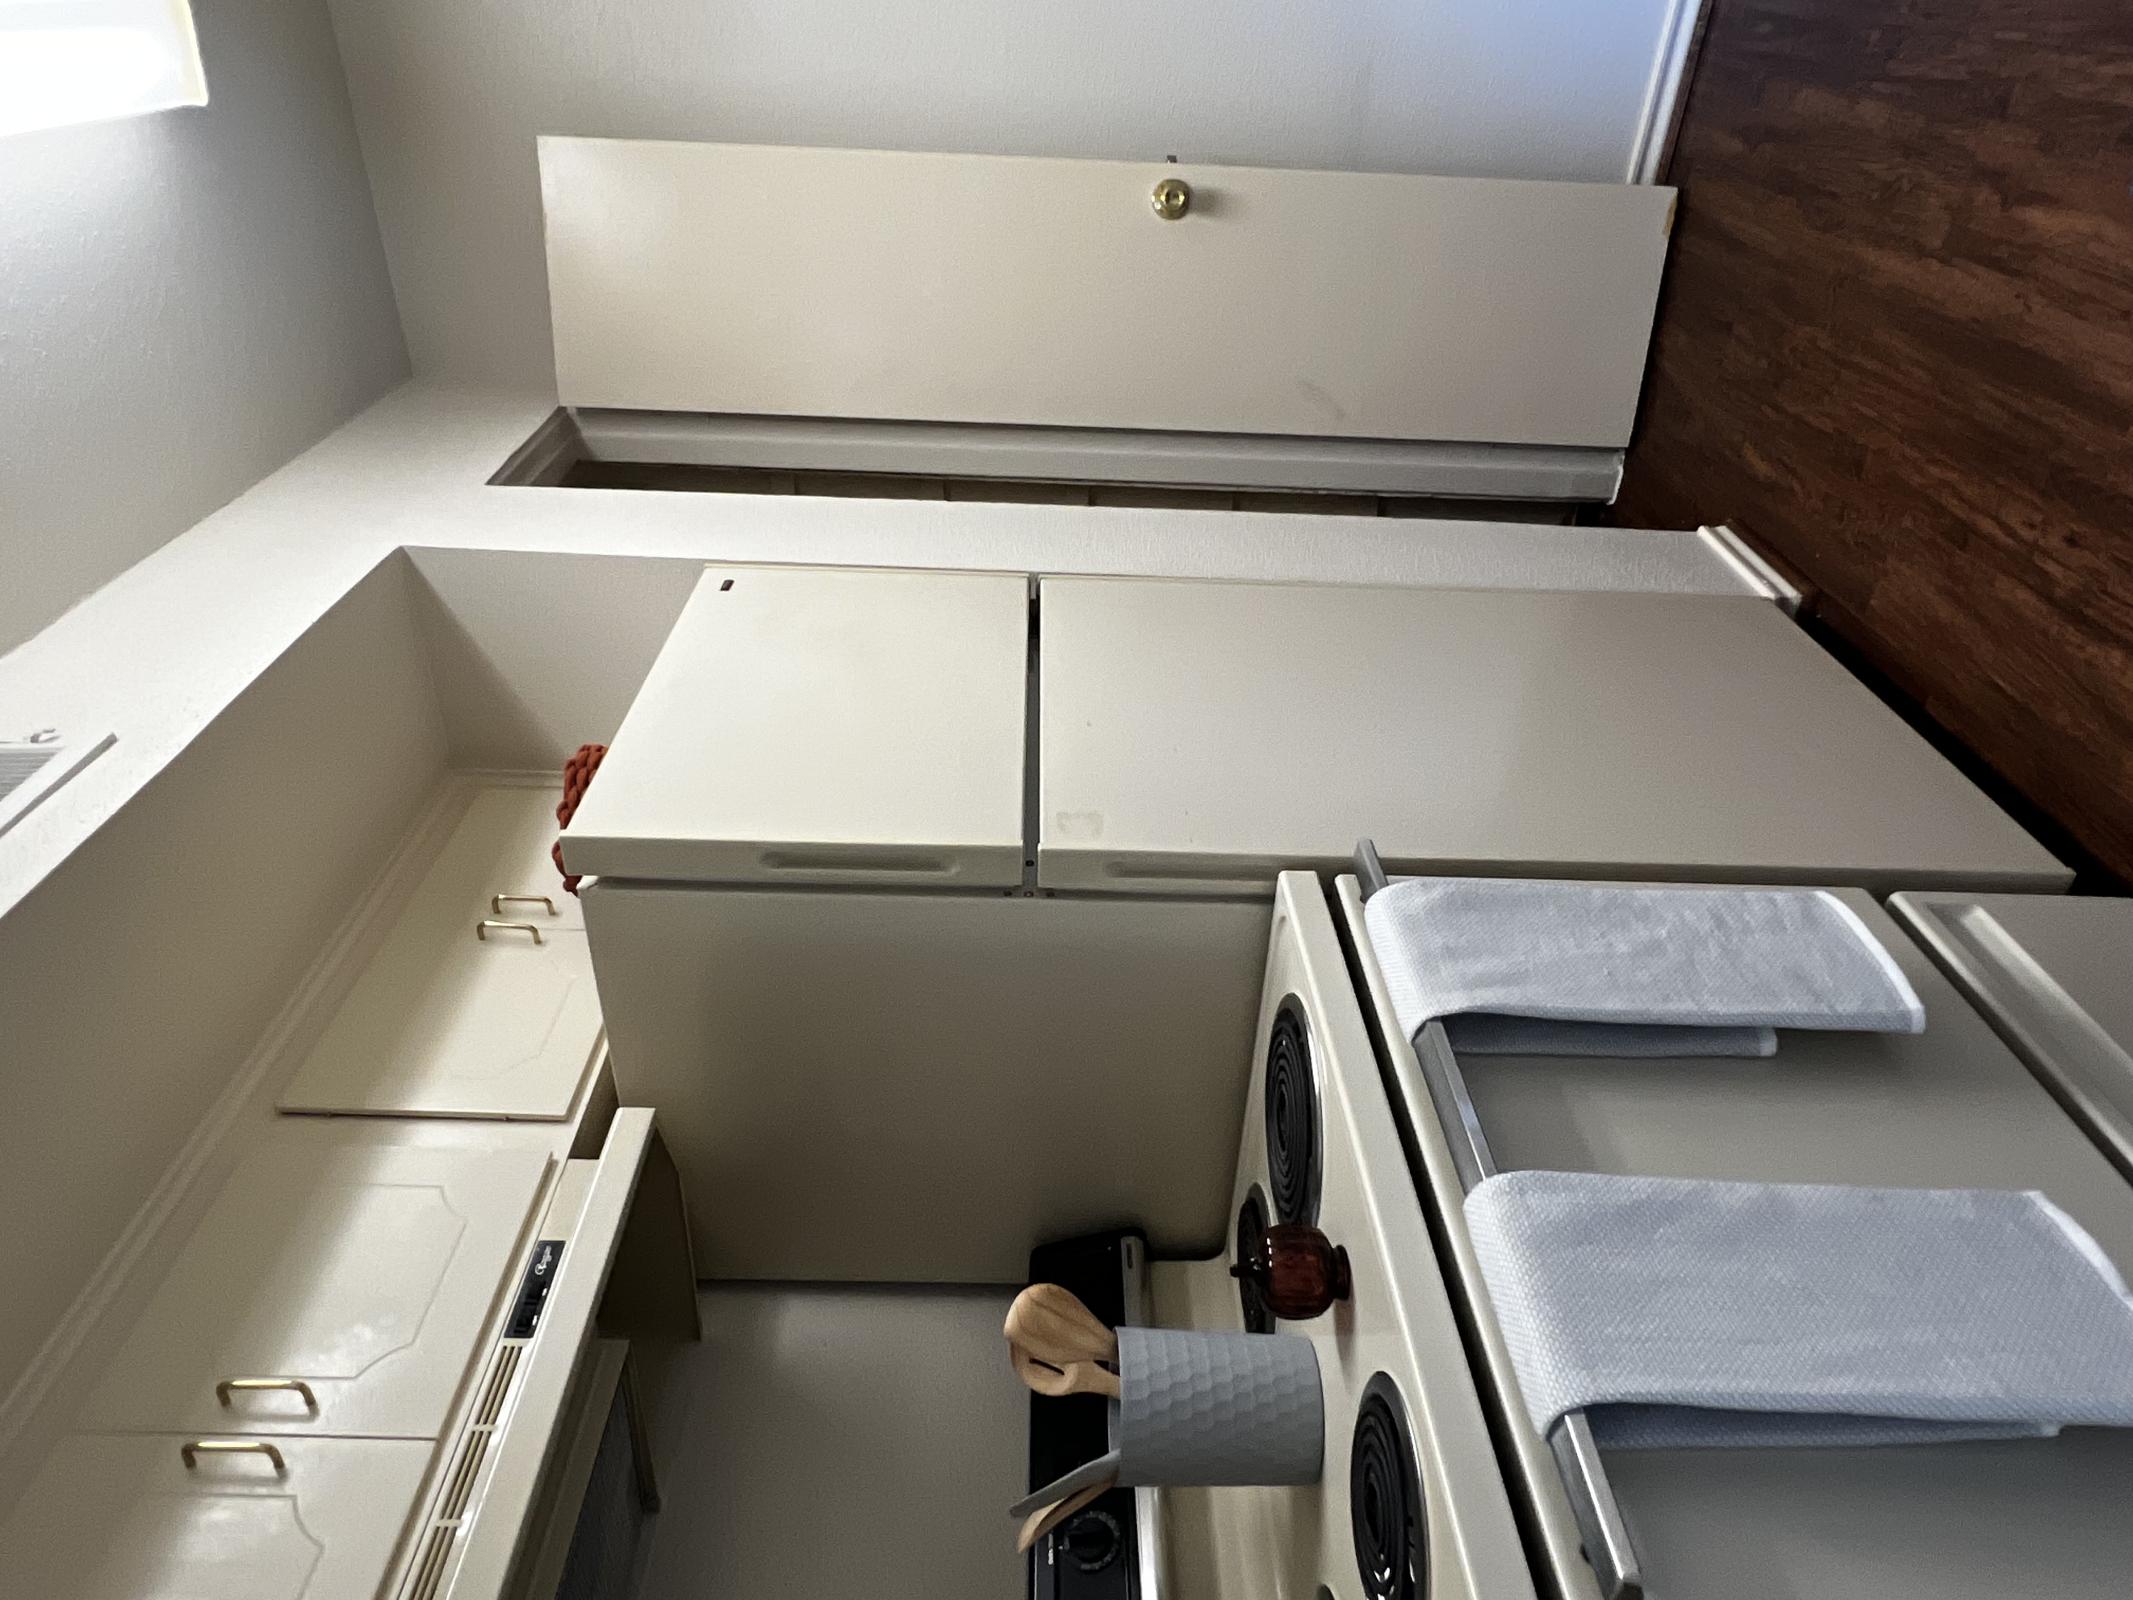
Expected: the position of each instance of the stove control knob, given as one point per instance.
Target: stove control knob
(1299, 1271)
(1091, 1540)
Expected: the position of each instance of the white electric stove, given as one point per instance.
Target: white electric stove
(1952, 1107)
(1411, 1501)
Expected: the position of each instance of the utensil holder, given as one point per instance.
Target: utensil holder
(1217, 1408)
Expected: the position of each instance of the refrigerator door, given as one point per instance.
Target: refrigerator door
(1202, 735)
(807, 725)
(2054, 976)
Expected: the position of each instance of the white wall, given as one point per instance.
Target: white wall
(534, 653)
(449, 98)
(186, 301)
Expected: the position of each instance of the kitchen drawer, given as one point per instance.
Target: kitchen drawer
(455, 1018)
(365, 1272)
(123, 1517)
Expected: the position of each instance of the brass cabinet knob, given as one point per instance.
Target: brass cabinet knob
(1172, 199)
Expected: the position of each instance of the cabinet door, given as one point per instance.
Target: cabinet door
(501, 847)
(455, 1018)
(366, 1273)
(448, 1024)
(969, 288)
(115, 1517)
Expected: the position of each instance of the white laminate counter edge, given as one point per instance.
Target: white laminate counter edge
(163, 649)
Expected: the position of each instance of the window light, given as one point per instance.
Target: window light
(67, 61)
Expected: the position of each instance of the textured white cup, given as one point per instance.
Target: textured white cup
(1217, 1408)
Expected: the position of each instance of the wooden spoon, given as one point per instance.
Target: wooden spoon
(1043, 1522)
(1076, 1377)
(1055, 1327)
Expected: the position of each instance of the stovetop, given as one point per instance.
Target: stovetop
(1411, 1502)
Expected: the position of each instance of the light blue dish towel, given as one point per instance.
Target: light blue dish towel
(1682, 1312)
(1588, 969)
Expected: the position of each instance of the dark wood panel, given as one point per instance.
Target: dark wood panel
(1897, 344)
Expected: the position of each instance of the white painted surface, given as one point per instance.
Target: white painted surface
(115, 1517)
(446, 1022)
(821, 726)
(450, 100)
(136, 979)
(1202, 734)
(533, 655)
(174, 640)
(988, 289)
(367, 1272)
(186, 301)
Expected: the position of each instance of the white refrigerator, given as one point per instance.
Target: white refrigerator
(930, 907)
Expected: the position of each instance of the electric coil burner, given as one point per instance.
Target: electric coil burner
(1410, 1502)
(1292, 1127)
(1385, 1499)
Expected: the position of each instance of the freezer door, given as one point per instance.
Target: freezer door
(1201, 734)
(2054, 977)
(807, 725)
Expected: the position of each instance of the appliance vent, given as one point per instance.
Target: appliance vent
(36, 764)
(500, 1375)
(429, 1575)
(1291, 1092)
(430, 1571)
(1385, 1499)
(472, 1451)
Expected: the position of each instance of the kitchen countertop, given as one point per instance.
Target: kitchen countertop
(160, 651)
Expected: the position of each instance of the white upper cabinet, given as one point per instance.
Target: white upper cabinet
(480, 1000)
(990, 289)
(328, 1290)
(154, 1517)
(816, 725)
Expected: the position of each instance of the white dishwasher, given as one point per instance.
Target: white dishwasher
(928, 904)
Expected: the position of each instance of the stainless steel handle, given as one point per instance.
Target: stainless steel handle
(481, 928)
(497, 902)
(1577, 1454)
(193, 1449)
(229, 1387)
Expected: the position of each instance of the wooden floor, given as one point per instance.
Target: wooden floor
(1896, 347)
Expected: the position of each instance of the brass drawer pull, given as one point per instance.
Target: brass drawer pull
(233, 1386)
(481, 928)
(497, 902)
(1172, 199)
(193, 1449)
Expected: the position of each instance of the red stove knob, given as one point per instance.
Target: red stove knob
(1299, 1271)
